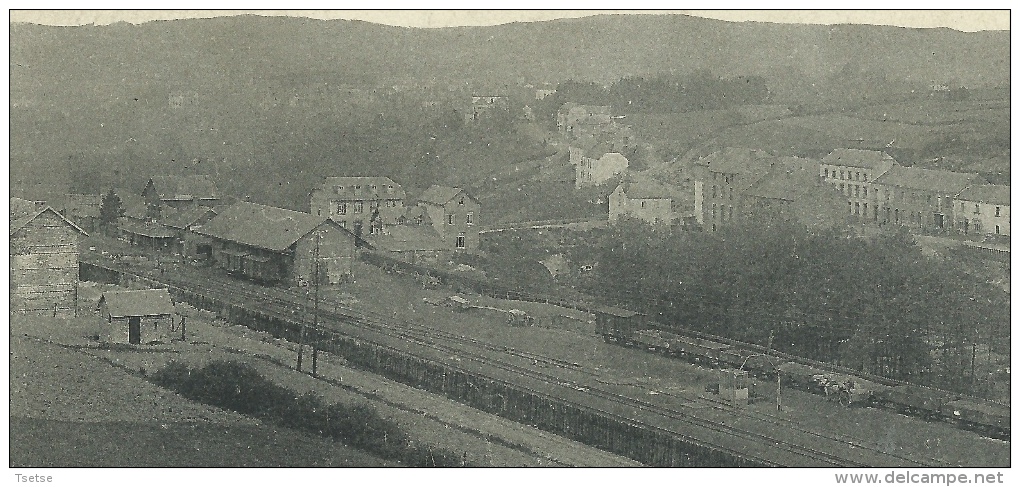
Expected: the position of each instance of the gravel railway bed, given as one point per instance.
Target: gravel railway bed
(760, 435)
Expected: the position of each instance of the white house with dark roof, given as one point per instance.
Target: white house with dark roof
(596, 166)
(454, 215)
(368, 202)
(272, 244)
(982, 209)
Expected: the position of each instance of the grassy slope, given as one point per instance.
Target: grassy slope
(51, 443)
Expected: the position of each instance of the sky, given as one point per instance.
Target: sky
(958, 19)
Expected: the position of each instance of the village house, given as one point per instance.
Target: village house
(982, 209)
(139, 316)
(181, 192)
(483, 106)
(646, 200)
(920, 198)
(44, 264)
(411, 243)
(597, 167)
(793, 191)
(359, 204)
(271, 244)
(454, 215)
(719, 179)
(854, 172)
(573, 119)
(139, 223)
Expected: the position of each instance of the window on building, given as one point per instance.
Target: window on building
(449, 219)
(841, 175)
(842, 188)
(857, 191)
(977, 208)
(338, 189)
(826, 172)
(341, 208)
(469, 218)
(857, 208)
(713, 211)
(642, 204)
(997, 209)
(864, 210)
(714, 195)
(461, 201)
(865, 177)
(996, 229)
(865, 191)
(359, 207)
(857, 176)
(461, 242)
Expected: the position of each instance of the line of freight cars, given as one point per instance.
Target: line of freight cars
(634, 329)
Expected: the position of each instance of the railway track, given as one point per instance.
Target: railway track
(285, 304)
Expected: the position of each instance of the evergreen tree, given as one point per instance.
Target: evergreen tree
(110, 210)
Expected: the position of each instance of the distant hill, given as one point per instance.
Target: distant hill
(262, 101)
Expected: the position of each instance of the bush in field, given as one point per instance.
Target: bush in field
(239, 387)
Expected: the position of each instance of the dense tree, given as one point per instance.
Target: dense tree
(110, 210)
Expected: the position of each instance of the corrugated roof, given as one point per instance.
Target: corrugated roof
(439, 195)
(404, 238)
(20, 223)
(184, 187)
(869, 159)
(927, 179)
(362, 188)
(144, 302)
(265, 227)
(986, 193)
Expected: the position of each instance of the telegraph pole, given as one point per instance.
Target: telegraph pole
(315, 309)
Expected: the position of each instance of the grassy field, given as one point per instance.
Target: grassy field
(52, 443)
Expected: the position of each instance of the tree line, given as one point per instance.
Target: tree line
(873, 304)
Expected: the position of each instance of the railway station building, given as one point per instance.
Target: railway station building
(270, 244)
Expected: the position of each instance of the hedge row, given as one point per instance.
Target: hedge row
(239, 387)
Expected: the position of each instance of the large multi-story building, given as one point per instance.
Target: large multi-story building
(720, 178)
(364, 203)
(920, 198)
(982, 209)
(454, 214)
(854, 172)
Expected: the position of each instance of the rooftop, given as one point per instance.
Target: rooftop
(986, 193)
(362, 187)
(869, 159)
(21, 222)
(144, 302)
(928, 179)
(439, 195)
(265, 227)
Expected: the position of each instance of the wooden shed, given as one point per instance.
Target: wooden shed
(44, 264)
(140, 316)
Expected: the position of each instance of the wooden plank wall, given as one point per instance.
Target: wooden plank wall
(44, 267)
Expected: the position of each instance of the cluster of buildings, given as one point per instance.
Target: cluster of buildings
(737, 185)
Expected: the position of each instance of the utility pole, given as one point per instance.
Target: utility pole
(315, 309)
